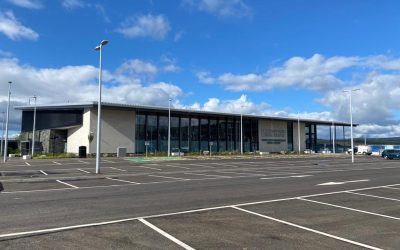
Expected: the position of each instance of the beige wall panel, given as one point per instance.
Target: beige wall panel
(272, 135)
(78, 136)
(296, 136)
(118, 130)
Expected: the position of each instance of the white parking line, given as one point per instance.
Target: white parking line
(174, 166)
(167, 177)
(132, 182)
(41, 171)
(307, 229)
(108, 161)
(148, 167)
(349, 208)
(200, 165)
(49, 230)
(211, 175)
(392, 188)
(118, 169)
(374, 196)
(70, 185)
(57, 163)
(285, 177)
(87, 172)
(167, 235)
(27, 163)
(83, 162)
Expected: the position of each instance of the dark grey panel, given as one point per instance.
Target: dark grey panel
(51, 119)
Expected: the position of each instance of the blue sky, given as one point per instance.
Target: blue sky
(259, 57)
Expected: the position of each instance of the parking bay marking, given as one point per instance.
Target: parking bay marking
(87, 172)
(41, 171)
(165, 234)
(27, 163)
(57, 229)
(340, 183)
(57, 163)
(285, 177)
(349, 208)
(307, 229)
(70, 185)
(132, 182)
(167, 177)
(374, 196)
(149, 168)
(118, 169)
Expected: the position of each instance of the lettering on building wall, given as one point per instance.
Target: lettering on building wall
(273, 136)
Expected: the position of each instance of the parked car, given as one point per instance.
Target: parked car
(391, 154)
(361, 150)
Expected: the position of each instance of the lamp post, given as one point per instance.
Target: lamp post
(2, 133)
(351, 122)
(333, 138)
(98, 136)
(34, 125)
(7, 117)
(298, 131)
(169, 127)
(241, 130)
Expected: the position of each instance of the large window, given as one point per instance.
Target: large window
(214, 134)
(175, 134)
(204, 135)
(151, 133)
(194, 134)
(140, 133)
(185, 132)
(222, 135)
(230, 135)
(290, 136)
(163, 133)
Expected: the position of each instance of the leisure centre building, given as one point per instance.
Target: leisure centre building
(66, 127)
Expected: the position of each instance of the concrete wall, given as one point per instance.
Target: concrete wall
(118, 130)
(78, 136)
(302, 137)
(272, 135)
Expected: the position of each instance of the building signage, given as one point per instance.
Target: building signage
(273, 136)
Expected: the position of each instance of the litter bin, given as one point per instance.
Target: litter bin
(82, 152)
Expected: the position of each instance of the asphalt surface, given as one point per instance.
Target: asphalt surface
(249, 203)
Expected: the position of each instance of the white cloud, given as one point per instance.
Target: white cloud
(156, 27)
(222, 8)
(29, 4)
(72, 4)
(315, 73)
(13, 29)
(136, 66)
(77, 84)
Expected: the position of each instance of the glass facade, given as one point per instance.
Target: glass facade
(194, 133)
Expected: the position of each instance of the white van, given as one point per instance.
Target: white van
(361, 150)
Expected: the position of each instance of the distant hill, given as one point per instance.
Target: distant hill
(379, 141)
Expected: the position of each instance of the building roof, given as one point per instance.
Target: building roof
(83, 105)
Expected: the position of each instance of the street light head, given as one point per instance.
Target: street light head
(104, 42)
(10, 82)
(97, 48)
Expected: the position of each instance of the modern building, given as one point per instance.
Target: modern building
(66, 127)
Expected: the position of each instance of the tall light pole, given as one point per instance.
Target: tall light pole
(34, 125)
(333, 138)
(2, 133)
(241, 130)
(169, 127)
(351, 122)
(298, 131)
(7, 117)
(98, 136)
